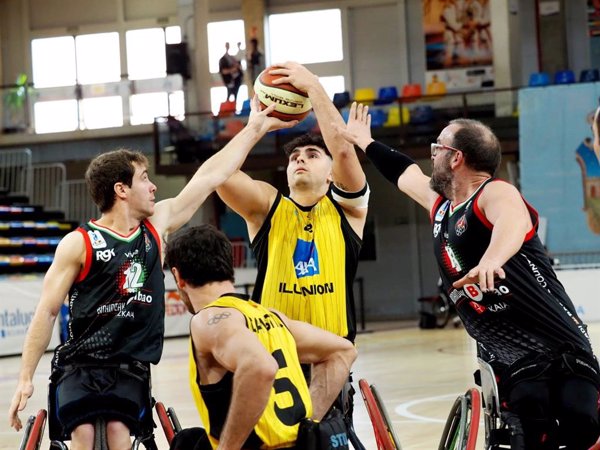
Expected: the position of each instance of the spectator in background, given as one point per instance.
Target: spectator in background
(231, 73)
(256, 60)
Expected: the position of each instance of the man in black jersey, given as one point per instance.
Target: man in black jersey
(246, 379)
(496, 271)
(111, 268)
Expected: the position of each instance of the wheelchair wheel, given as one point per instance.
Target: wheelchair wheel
(34, 431)
(168, 420)
(462, 425)
(386, 418)
(383, 436)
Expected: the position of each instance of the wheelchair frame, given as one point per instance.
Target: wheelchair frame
(34, 431)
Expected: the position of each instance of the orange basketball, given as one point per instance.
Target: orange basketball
(291, 103)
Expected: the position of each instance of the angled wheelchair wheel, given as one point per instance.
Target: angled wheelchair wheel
(383, 433)
(34, 431)
(462, 425)
(168, 421)
(386, 418)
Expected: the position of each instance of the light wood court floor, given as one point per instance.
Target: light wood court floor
(419, 373)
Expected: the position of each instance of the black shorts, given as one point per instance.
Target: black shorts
(80, 394)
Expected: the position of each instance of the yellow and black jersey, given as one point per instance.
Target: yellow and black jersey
(307, 259)
(289, 402)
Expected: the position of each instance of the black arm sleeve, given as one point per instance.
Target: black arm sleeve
(391, 163)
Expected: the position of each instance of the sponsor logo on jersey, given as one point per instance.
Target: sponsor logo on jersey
(97, 239)
(306, 259)
(140, 297)
(148, 242)
(497, 307)
(105, 255)
(461, 225)
(478, 307)
(473, 292)
(436, 229)
(131, 254)
(265, 323)
(319, 289)
(442, 211)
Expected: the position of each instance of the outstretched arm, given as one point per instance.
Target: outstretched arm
(503, 206)
(172, 213)
(397, 167)
(331, 357)
(238, 350)
(347, 171)
(60, 276)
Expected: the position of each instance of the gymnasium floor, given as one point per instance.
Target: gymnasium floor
(419, 373)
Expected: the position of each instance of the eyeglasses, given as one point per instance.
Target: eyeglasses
(435, 148)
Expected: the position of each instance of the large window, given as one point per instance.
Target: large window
(79, 86)
(291, 40)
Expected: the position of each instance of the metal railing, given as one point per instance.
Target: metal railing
(46, 185)
(76, 201)
(15, 171)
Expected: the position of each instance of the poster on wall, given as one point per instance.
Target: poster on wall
(560, 173)
(458, 43)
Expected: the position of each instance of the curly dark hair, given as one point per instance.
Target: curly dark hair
(201, 254)
(106, 170)
(479, 144)
(304, 140)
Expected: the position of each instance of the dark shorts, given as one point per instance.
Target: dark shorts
(81, 394)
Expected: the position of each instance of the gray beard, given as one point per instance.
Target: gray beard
(441, 184)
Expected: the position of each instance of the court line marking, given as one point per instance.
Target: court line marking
(403, 408)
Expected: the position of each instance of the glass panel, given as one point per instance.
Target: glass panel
(102, 112)
(219, 94)
(53, 61)
(51, 117)
(145, 107)
(98, 58)
(333, 84)
(146, 53)
(219, 33)
(173, 35)
(177, 104)
(322, 42)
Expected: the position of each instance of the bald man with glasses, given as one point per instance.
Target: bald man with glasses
(496, 271)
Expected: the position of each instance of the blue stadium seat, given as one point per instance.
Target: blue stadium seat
(245, 111)
(386, 95)
(341, 99)
(537, 79)
(378, 117)
(564, 77)
(589, 76)
(421, 114)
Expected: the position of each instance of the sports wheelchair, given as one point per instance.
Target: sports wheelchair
(502, 428)
(382, 427)
(34, 431)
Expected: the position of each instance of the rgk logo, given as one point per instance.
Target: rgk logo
(105, 255)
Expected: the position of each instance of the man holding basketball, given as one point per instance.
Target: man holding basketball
(496, 271)
(307, 243)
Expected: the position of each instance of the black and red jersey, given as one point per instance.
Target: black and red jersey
(117, 303)
(529, 312)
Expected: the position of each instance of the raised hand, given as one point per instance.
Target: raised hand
(358, 128)
(261, 120)
(296, 74)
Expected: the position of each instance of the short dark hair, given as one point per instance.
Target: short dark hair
(304, 140)
(479, 144)
(106, 170)
(201, 254)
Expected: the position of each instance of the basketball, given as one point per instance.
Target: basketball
(291, 103)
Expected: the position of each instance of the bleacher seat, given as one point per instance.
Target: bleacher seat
(245, 111)
(589, 76)
(378, 117)
(564, 77)
(341, 99)
(226, 109)
(386, 95)
(421, 114)
(411, 92)
(435, 87)
(365, 95)
(538, 79)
